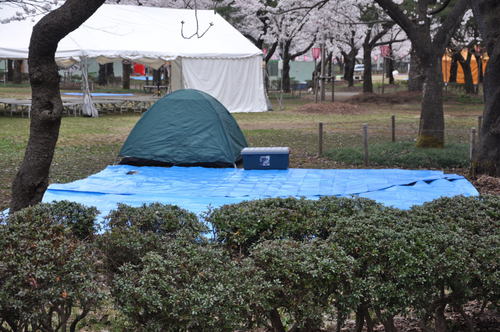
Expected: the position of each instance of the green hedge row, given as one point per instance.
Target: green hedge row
(282, 264)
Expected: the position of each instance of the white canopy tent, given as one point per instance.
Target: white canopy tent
(222, 63)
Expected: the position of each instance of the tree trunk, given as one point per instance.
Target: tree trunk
(276, 323)
(127, 70)
(416, 75)
(360, 319)
(479, 61)
(106, 73)
(18, 73)
(487, 13)
(10, 70)
(431, 131)
(330, 67)
(286, 74)
(439, 319)
(31, 180)
(469, 83)
(156, 77)
(349, 62)
(101, 76)
(367, 73)
(389, 69)
(454, 68)
(466, 68)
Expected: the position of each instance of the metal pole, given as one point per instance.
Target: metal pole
(320, 139)
(365, 143)
(393, 128)
(323, 63)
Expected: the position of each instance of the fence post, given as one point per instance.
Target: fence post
(472, 152)
(365, 143)
(320, 139)
(393, 128)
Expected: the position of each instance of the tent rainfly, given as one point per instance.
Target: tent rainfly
(222, 63)
(185, 128)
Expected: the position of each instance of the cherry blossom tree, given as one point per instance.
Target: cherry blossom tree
(429, 43)
(31, 180)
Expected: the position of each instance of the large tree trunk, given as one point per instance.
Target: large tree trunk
(367, 73)
(487, 13)
(431, 132)
(32, 178)
(126, 71)
(416, 75)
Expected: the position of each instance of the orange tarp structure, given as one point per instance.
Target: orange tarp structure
(446, 67)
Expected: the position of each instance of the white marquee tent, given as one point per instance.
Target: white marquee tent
(222, 62)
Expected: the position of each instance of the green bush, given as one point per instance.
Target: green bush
(134, 231)
(49, 277)
(79, 218)
(155, 218)
(404, 154)
(474, 223)
(242, 225)
(307, 278)
(188, 286)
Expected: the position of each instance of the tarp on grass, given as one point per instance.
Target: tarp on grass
(196, 188)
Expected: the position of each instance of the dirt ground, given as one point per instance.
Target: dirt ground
(487, 185)
(331, 108)
(402, 97)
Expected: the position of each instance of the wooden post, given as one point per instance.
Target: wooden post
(479, 125)
(320, 139)
(365, 143)
(393, 128)
(472, 152)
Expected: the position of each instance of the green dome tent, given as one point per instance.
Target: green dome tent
(185, 128)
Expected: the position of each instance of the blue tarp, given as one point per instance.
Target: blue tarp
(100, 94)
(142, 78)
(196, 188)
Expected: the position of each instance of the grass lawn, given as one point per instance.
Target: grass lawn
(87, 145)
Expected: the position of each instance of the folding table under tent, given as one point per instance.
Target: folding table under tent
(222, 63)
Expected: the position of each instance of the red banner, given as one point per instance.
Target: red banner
(316, 53)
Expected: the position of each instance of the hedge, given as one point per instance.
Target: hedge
(283, 264)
